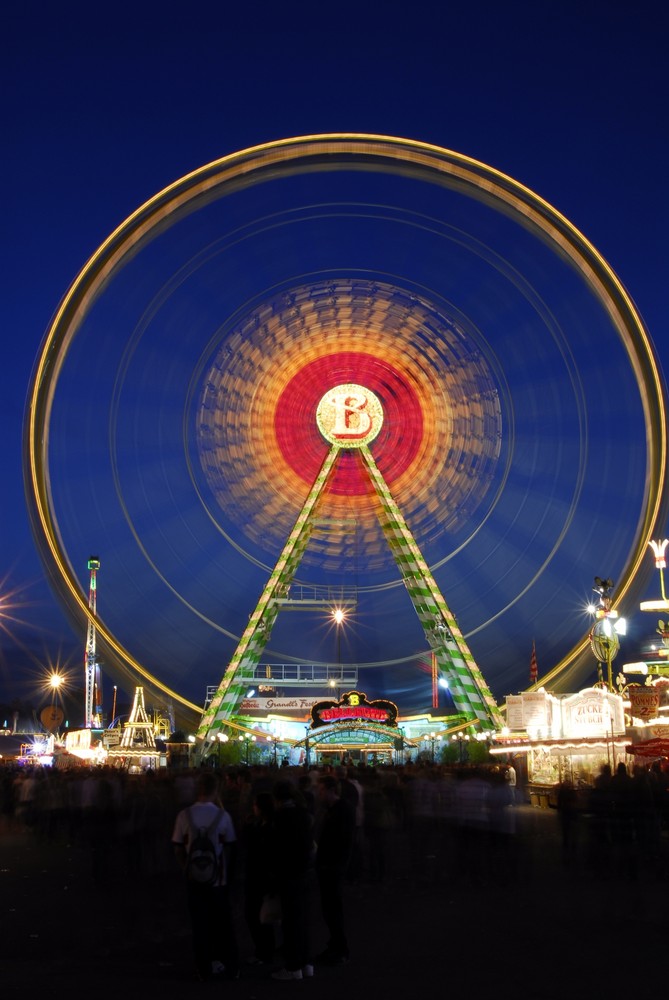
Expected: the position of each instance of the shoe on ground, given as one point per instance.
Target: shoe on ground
(331, 958)
(307, 971)
(286, 974)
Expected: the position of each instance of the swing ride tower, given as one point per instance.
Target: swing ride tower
(92, 679)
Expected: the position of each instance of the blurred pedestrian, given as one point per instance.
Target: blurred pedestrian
(291, 854)
(214, 939)
(511, 780)
(258, 843)
(335, 838)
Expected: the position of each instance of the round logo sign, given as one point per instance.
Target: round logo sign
(51, 718)
(349, 416)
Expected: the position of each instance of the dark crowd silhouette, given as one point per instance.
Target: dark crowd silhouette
(307, 837)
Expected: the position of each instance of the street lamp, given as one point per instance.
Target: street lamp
(338, 617)
(433, 739)
(274, 740)
(222, 738)
(462, 739)
(55, 681)
(659, 551)
(307, 747)
(52, 716)
(604, 640)
(247, 740)
(399, 746)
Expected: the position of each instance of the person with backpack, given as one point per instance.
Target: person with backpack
(203, 839)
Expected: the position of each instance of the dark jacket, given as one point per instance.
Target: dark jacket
(335, 838)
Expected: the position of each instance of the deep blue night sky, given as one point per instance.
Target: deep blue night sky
(100, 112)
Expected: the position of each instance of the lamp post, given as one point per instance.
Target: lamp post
(54, 683)
(52, 717)
(338, 617)
(274, 740)
(222, 738)
(604, 640)
(399, 746)
(659, 550)
(247, 740)
(433, 739)
(462, 739)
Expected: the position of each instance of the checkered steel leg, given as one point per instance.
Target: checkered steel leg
(470, 692)
(234, 684)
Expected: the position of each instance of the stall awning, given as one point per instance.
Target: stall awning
(650, 748)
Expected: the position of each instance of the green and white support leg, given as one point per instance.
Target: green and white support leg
(471, 694)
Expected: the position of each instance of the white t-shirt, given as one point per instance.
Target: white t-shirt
(201, 815)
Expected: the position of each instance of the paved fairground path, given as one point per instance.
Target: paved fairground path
(455, 910)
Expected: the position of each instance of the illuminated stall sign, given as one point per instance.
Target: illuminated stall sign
(279, 705)
(353, 707)
(593, 712)
(530, 712)
(644, 702)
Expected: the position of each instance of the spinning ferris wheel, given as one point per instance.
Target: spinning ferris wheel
(172, 420)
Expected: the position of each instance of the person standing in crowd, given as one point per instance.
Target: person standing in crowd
(352, 791)
(333, 853)
(209, 906)
(291, 854)
(257, 842)
(511, 781)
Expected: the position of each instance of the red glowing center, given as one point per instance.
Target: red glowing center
(302, 444)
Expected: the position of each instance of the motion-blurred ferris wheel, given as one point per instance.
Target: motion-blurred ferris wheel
(172, 414)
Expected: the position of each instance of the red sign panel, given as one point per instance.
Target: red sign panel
(353, 706)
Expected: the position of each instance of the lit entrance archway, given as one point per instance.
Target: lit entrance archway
(356, 739)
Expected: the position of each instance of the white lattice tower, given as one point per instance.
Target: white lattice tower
(138, 731)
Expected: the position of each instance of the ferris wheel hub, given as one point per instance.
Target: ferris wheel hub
(349, 416)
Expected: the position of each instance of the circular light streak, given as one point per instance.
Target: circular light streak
(436, 400)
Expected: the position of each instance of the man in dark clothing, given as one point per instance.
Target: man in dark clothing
(209, 904)
(335, 842)
(292, 848)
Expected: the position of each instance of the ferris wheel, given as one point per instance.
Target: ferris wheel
(172, 418)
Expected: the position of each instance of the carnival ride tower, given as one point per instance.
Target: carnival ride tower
(92, 677)
(350, 416)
